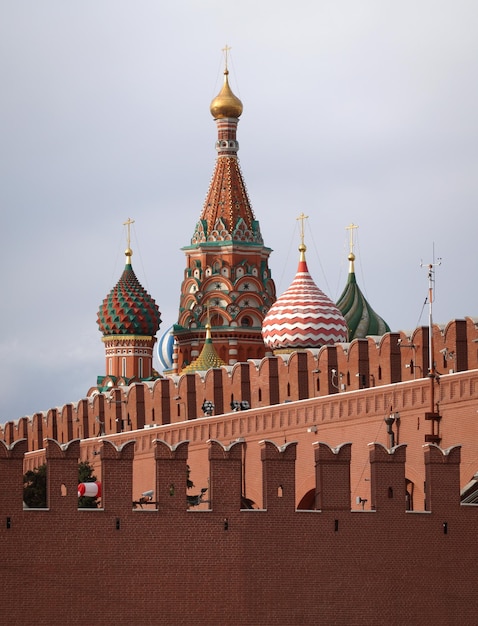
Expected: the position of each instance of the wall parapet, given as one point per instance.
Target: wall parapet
(226, 475)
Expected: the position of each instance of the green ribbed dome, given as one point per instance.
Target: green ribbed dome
(360, 317)
(129, 309)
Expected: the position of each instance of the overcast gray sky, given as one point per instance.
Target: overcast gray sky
(359, 111)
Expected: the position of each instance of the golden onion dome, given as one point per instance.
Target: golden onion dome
(225, 104)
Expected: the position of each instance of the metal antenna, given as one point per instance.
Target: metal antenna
(431, 283)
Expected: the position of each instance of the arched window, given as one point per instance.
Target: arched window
(216, 320)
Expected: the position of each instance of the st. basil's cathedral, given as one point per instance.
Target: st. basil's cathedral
(228, 290)
(334, 461)
(236, 346)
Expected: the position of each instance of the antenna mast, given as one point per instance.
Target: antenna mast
(431, 284)
(433, 415)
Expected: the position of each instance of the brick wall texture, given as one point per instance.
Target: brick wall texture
(219, 565)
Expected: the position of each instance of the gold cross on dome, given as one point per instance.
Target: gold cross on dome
(351, 227)
(302, 218)
(128, 223)
(226, 50)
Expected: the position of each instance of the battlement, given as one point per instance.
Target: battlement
(332, 471)
(363, 365)
(225, 565)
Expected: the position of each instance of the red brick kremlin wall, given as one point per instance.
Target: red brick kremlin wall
(165, 564)
(362, 364)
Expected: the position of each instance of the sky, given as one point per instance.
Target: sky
(359, 112)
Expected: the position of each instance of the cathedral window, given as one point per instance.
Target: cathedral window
(216, 320)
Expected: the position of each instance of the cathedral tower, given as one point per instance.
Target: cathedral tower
(129, 320)
(303, 316)
(227, 282)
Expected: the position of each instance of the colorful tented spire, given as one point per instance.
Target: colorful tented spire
(208, 357)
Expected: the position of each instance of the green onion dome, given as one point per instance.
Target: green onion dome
(360, 317)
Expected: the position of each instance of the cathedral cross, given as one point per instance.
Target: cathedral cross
(128, 223)
(302, 218)
(351, 228)
(226, 50)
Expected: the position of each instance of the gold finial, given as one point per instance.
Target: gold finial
(208, 323)
(226, 104)
(226, 50)
(351, 227)
(128, 251)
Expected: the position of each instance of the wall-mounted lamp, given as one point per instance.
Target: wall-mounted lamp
(171, 490)
(362, 380)
(312, 429)
(334, 379)
(390, 420)
(448, 355)
(208, 408)
(101, 426)
(243, 405)
(361, 501)
(405, 345)
(413, 366)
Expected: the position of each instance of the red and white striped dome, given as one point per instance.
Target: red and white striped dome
(303, 316)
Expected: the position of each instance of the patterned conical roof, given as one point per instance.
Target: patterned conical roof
(129, 309)
(303, 316)
(361, 318)
(207, 359)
